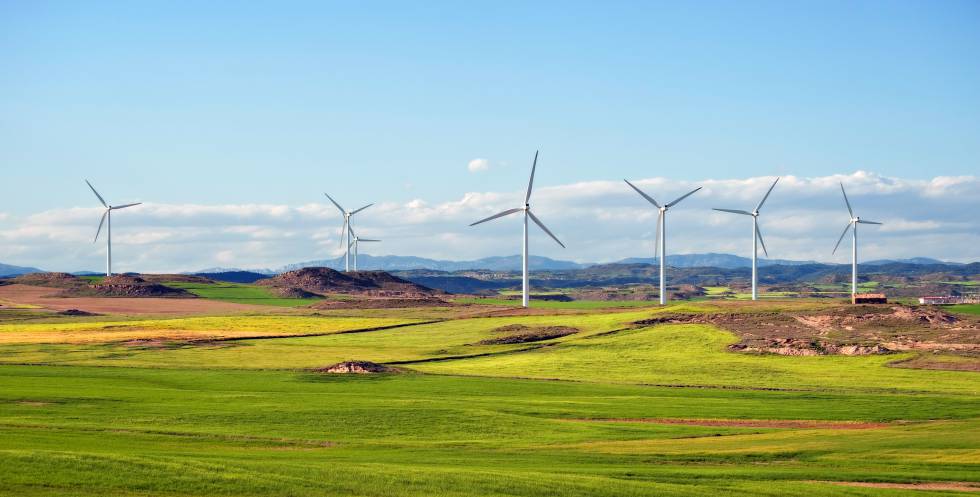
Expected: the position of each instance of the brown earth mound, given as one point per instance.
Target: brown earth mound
(120, 285)
(325, 281)
(52, 280)
(356, 367)
(844, 330)
(294, 293)
(76, 312)
(518, 333)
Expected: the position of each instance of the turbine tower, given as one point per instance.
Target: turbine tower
(660, 246)
(346, 229)
(527, 214)
(756, 238)
(853, 226)
(356, 240)
(107, 215)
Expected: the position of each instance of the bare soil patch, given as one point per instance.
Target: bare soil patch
(519, 333)
(121, 285)
(945, 362)
(381, 303)
(51, 280)
(291, 292)
(46, 297)
(750, 423)
(956, 486)
(356, 367)
(841, 330)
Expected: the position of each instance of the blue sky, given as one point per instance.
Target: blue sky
(181, 103)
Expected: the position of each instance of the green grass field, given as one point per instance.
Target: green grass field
(240, 294)
(973, 309)
(611, 410)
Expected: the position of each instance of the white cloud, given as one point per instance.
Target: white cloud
(598, 220)
(477, 165)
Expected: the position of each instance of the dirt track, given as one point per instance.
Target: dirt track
(42, 296)
(750, 423)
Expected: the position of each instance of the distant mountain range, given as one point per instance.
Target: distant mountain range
(8, 270)
(508, 263)
(539, 263)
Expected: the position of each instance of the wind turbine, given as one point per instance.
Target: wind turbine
(527, 213)
(853, 226)
(346, 229)
(756, 238)
(356, 240)
(107, 214)
(661, 244)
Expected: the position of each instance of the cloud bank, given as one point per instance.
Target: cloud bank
(599, 221)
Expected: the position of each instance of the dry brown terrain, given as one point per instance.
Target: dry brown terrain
(46, 298)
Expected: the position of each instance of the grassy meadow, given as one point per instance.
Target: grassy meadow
(229, 405)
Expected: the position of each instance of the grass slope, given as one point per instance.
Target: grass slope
(113, 431)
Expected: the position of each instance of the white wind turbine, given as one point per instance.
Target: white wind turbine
(527, 213)
(346, 229)
(853, 226)
(661, 244)
(756, 238)
(107, 214)
(356, 240)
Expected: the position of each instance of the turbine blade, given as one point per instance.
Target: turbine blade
(343, 228)
(759, 234)
(656, 241)
(97, 194)
(841, 237)
(644, 195)
(733, 211)
(848, 202)
(546, 230)
(116, 207)
(682, 198)
(499, 214)
(341, 209)
(862, 221)
(367, 240)
(767, 195)
(361, 209)
(530, 183)
(101, 222)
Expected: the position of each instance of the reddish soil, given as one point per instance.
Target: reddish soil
(956, 486)
(294, 293)
(356, 367)
(381, 303)
(750, 423)
(326, 281)
(46, 297)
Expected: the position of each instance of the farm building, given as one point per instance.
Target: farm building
(869, 298)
